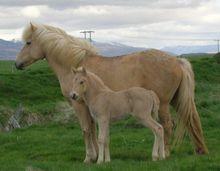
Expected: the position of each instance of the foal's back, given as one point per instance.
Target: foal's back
(140, 98)
(133, 100)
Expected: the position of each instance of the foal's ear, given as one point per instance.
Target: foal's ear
(84, 71)
(74, 70)
(33, 27)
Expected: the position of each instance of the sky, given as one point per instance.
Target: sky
(143, 23)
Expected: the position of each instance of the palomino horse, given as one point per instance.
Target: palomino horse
(171, 78)
(106, 105)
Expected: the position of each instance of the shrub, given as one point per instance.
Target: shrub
(217, 57)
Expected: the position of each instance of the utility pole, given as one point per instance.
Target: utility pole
(217, 40)
(90, 34)
(84, 32)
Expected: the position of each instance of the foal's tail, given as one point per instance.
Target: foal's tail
(156, 105)
(186, 109)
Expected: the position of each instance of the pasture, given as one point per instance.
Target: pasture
(53, 145)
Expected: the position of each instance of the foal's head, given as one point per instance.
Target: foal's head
(80, 82)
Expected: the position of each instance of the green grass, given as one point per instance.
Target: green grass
(56, 146)
(36, 88)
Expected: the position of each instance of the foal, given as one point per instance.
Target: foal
(105, 105)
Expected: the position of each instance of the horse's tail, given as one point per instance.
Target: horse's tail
(188, 116)
(156, 105)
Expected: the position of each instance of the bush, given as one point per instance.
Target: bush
(217, 57)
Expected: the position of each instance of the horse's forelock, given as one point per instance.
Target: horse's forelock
(59, 42)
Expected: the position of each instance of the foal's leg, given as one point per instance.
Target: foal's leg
(102, 139)
(94, 138)
(165, 119)
(155, 154)
(157, 129)
(86, 123)
(107, 153)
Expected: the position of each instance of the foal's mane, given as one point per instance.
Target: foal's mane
(56, 42)
(97, 82)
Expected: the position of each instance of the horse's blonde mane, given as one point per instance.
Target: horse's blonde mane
(57, 43)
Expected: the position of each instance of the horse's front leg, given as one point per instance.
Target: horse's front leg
(88, 127)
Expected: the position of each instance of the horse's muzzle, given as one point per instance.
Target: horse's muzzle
(19, 66)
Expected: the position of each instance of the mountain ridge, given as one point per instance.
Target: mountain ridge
(9, 49)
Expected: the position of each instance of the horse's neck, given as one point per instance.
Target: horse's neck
(63, 74)
(94, 89)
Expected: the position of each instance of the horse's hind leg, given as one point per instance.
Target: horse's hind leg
(166, 122)
(157, 129)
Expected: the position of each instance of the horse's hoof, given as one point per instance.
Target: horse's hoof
(200, 151)
(167, 153)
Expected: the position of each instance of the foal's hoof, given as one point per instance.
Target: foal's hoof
(87, 160)
(155, 158)
(99, 162)
(162, 157)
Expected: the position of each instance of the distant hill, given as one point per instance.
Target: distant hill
(191, 49)
(9, 49)
(115, 49)
(198, 55)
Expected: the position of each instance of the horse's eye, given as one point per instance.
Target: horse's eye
(81, 82)
(28, 43)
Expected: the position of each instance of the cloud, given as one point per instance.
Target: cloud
(142, 22)
(73, 3)
(31, 12)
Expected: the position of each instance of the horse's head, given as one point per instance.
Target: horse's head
(31, 50)
(80, 82)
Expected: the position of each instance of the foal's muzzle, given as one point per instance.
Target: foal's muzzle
(73, 96)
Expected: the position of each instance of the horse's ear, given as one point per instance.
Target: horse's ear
(33, 27)
(73, 70)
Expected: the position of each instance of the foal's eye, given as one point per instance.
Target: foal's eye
(28, 43)
(81, 82)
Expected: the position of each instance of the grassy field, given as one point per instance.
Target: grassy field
(57, 146)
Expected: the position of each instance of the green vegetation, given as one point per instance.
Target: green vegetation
(57, 146)
(217, 57)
